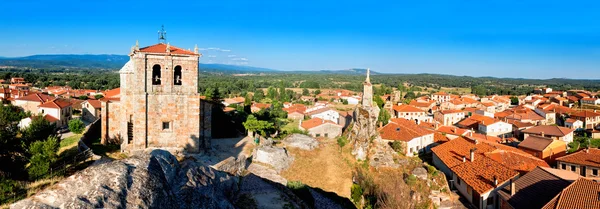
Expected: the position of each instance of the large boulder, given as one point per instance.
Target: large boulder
(147, 180)
(276, 157)
(301, 141)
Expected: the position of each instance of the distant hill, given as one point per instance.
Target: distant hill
(115, 62)
(75, 61)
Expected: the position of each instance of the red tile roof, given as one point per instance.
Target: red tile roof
(585, 114)
(582, 194)
(162, 48)
(261, 105)
(112, 93)
(56, 103)
(490, 160)
(588, 157)
(549, 130)
(421, 104)
(406, 108)
(36, 97)
(451, 111)
(95, 103)
(400, 129)
(452, 130)
(440, 138)
(535, 189)
(314, 122)
(50, 118)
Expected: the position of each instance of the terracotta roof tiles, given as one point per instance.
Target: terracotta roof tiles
(162, 48)
(400, 129)
(582, 194)
(589, 157)
(549, 130)
(314, 122)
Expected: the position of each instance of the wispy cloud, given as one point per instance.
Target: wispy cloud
(231, 55)
(212, 56)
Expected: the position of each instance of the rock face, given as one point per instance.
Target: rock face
(275, 156)
(382, 155)
(301, 141)
(155, 179)
(148, 180)
(420, 172)
(363, 130)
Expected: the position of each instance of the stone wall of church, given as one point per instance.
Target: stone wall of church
(165, 115)
(110, 121)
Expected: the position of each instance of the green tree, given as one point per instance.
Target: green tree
(76, 126)
(378, 101)
(514, 100)
(98, 96)
(410, 95)
(342, 141)
(272, 93)
(257, 126)
(317, 92)
(305, 92)
(39, 129)
(83, 97)
(384, 116)
(43, 154)
(258, 95)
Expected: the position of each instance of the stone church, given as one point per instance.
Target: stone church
(159, 105)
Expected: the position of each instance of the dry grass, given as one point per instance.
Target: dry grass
(325, 167)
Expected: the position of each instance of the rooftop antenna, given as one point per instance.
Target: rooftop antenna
(162, 35)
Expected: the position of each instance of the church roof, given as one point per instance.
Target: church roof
(162, 48)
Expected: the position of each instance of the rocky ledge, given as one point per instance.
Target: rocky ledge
(155, 179)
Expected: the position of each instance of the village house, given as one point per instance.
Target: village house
(535, 189)
(590, 119)
(554, 132)
(573, 123)
(415, 139)
(544, 148)
(412, 113)
(479, 169)
(440, 97)
(585, 162)
(32, 101)
(487, 106)
(318, 127)
(59, 109)
(522, 114)
(448, 117)
(295, 111)
(325, 113)
(345, 118)
(453, 132)
(495, 128)
(519, 127)
(260, 106)
(454, 104)
(17, 80)
(91, 109)
(581, 194)
(423, 105)
(549, 116)
(233, 101)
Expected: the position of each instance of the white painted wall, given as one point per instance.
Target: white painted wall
(331, 115)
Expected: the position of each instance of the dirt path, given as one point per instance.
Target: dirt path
(324, 167)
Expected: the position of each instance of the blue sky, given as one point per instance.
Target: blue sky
(501, 38)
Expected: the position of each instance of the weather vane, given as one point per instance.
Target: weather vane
(162, 35)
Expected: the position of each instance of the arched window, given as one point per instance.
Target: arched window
(156, 75)
(177, 76)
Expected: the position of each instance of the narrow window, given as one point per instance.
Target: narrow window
(594, 172)
(177, 76)
(166, 125)
(156, 75)
(573, 168)
(564, 166)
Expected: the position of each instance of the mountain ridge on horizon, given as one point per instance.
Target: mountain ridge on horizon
(115, 62)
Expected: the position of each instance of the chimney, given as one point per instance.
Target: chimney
(543, 134)
(435, 124)
(472, 155)
(495, 181)
(513, 190)
(380, 124)
(464, 159)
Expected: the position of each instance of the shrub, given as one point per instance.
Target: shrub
(411, 180)
(76, 126)
(8, 188)
(356, 193)
(397, 146)
(43, 153)
(342, 141)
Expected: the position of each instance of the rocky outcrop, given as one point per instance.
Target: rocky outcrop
(148, 180)
(382, 155)
(363, 130)
(155, 179)
(276, 157)
(301, 141)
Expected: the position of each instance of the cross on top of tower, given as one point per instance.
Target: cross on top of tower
(162, 35)
(368, 80)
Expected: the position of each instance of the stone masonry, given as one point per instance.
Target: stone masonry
(169, 114)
